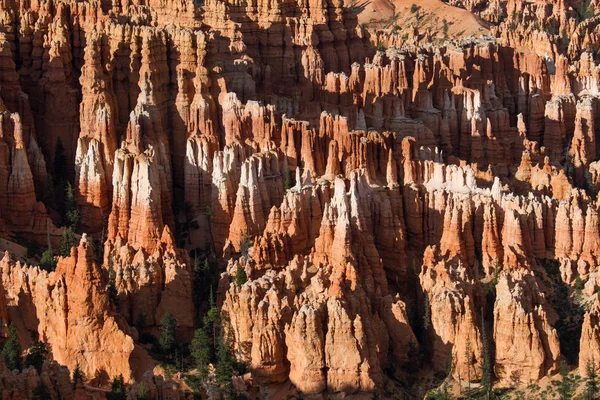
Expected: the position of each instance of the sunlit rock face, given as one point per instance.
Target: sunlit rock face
(376, 200)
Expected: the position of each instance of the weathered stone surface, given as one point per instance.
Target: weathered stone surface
(363, 176)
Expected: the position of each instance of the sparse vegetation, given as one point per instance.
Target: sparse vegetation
(587, 10)
(245, 245)
(570, 314)
(445, 28)
(566, 385)
(240, 276)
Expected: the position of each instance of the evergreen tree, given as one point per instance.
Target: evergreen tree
(445, 28)
(78, 376)
(48, 195)
(486, 367)
(427, 314)
(72, 215)
(413, 356)
(67, 242)
(168, 339)
(565, 386)
(60, 160)
(288, 183)
(211, 319)
(47, 261)
(591, 380)
(118, 390)
(36, 356)
(564, 39)
(11, 352)
(225, 362)
(142, 392)
(587, 10)
(41, 392)
(111, 287)
(200, 348)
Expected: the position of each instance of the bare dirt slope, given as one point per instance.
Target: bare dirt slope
(430, 15)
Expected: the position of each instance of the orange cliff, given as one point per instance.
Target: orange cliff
(398, 203)
(68, 306)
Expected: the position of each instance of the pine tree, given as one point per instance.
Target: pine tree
(36, 355)
(211, 319)
(200, 348)
(427, 314)
(72, 215)
(67, 242)
(445, 28)
(118, 390)
(591, 380)
(288, 183)
(565, 386)
(486, 367)
(47, 261)
(60, 160)
(142, 392)
(111, 287)
(168, 339)
(11, 352)
(78, 376)
(225, 361)
(240, 276)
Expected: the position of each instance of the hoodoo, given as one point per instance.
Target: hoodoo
(292, 199)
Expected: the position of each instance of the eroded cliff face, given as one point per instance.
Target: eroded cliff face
(22, 385)
(70, 310)
(395, 211)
